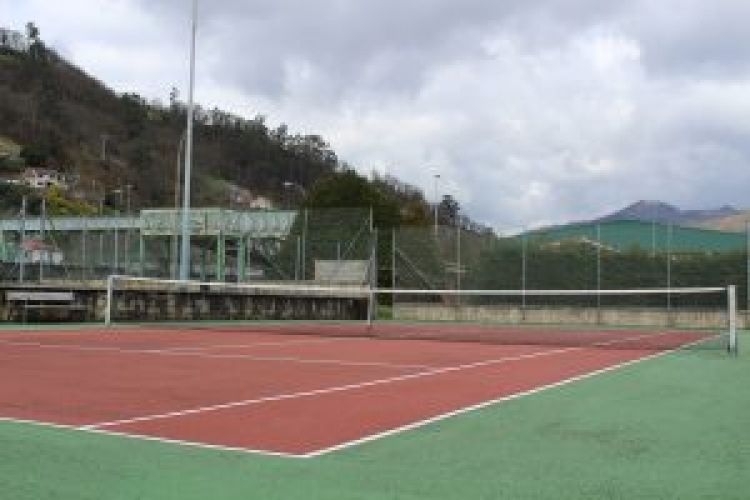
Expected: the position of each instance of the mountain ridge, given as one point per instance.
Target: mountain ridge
(665, 213)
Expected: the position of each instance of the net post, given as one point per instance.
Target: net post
(108, 300)
(732, 314)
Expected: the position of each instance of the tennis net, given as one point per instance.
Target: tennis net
(659, 319)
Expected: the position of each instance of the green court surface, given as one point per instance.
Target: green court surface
(671, 427)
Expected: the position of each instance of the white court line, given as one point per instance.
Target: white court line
(352, 443)
(262, 344)
(349, 387)
(143, 437)
(484, 404)
(248, 357)
(327, 390)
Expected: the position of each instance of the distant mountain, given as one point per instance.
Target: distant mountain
(657, 211)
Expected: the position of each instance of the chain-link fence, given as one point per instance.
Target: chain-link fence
(341, 245)
(614, 256)
(226, 245)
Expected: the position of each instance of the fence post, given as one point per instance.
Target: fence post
(84, 259)
(108, 301)
(21, 248)
(598, 273)
(142, 252)
(43, 250)
(298, 258)
(303, 253)
(116, 238)
(241, 255)
(669, 274)
(393, 258)
(458, 257)
(372, 302)
(523, 275)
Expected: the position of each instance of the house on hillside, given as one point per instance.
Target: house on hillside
(36, 250)
(42, 178)
(14, 40)
(240, 197)
(261, 203)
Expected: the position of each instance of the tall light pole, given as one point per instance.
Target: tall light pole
(175, 238)
(437, 202)
(185, 253)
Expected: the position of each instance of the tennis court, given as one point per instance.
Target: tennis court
(296, 390)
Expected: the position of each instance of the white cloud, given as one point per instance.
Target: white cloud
(532, 112)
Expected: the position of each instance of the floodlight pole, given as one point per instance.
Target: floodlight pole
(175, 237)
(185, 250)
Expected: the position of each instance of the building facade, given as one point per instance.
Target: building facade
(42, 178)
(14, 40)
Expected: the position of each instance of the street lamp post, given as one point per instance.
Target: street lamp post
(185, 251)
(295, 185)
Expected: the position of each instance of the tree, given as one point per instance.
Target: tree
(32, 32)
(349, 189)
(174, 95)
(448, 210)
(35, 155)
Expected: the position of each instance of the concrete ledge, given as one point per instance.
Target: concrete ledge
(606, 316)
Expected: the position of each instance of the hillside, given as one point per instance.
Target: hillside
(68, 120)
(60, 117)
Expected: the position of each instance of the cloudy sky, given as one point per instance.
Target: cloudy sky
(532, 111)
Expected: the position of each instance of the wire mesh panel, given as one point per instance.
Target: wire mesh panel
(226, 245)
(338, 245)
(630, 319)
(317, 235)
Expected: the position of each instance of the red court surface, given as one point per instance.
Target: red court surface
(264, 392)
